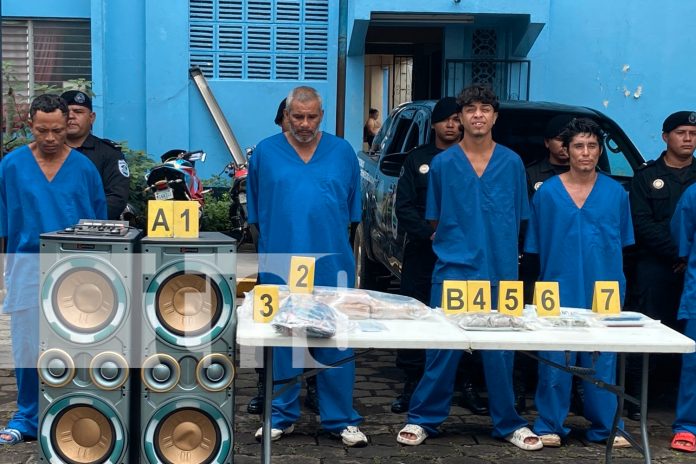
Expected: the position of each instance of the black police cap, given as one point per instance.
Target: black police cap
(680, 118)
(556, 125)
(443, 109)
(77, 97)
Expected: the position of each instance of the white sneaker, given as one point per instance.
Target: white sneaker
(275, 433)
(352, 436)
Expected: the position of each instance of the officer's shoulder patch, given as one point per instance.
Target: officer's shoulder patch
(123, 168)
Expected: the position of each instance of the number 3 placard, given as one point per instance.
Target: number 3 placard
(265, 303)
(546, 299)
(301, 274)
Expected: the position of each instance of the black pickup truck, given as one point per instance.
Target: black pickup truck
(379, 243)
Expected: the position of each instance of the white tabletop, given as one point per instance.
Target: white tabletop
(437, 333)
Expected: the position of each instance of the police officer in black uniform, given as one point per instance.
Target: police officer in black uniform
(654, 193)
(419, 258)
(557, 160)
(105, 154)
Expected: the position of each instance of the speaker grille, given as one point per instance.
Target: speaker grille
(82, 429)
(188, 304)
(187, 435)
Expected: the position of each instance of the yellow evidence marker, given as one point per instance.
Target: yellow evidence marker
(301, 278)
(478, 296)
(605, 299)
(453, 296)
(511, 297)
(265, 303)
(546, 299)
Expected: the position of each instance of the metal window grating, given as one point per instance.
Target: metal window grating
(260, 39)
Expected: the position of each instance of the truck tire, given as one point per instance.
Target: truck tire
(369, 275)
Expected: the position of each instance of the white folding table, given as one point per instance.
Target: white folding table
(438, 333)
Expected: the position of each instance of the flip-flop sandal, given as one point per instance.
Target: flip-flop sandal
(684, 441)
(519, 436)
(413, 429)
(550, 440)
(621, 442)
(14, 434)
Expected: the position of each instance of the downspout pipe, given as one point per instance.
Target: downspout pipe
(341, 67)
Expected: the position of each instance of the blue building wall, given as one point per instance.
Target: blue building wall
(632, 60)
(627, 58)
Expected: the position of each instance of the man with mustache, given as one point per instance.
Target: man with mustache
(303, 192)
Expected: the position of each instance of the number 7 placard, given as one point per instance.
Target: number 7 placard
(606, 298)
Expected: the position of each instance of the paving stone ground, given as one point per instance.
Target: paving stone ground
(466, 438)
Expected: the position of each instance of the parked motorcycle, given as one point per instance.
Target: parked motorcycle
(175, 178)
(239, 225)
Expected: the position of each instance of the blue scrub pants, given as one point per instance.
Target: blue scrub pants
(24, 326)
(685, 421)
(553, 395)
(334, 389)
(430, 403)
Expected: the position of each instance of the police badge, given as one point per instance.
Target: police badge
(123, 167)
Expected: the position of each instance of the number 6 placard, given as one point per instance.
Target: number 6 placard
(265, 303)
(301, 274)
(546, 299)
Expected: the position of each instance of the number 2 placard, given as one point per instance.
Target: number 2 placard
(301, 274)
(265, 303)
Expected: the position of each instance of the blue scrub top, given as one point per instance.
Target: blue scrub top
(31, 205)
(478, 217)
(684, 234)
(578, 246)
(304, 208)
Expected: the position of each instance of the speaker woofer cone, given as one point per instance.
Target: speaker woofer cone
(191, 430)
(84, 299)
(109, 370)
(160, 372)
(188, 304)
(187, 435)
(82, 429)
(56, 368)
(215, 372)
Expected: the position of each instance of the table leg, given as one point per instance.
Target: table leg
(267, 403)
(619, 407)
(644, 407)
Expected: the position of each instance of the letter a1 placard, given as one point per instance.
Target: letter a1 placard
(605, 299)
(265, 303)
(547, 299)
(166, 218)
(454, 296)
(301, 278)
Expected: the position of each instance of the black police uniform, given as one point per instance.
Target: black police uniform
(111, 164)
(654, 193)
(540, 171)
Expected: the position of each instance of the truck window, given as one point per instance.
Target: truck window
(401, 126)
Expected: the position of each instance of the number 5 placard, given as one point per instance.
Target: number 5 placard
(606, 298)
(546, 299)
(265, 303)
(301, 274)
(511, 298)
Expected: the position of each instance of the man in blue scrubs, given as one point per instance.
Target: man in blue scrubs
(580, 223)
(303, 191)
(44, 186)
(684, 234)
(477, 197)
